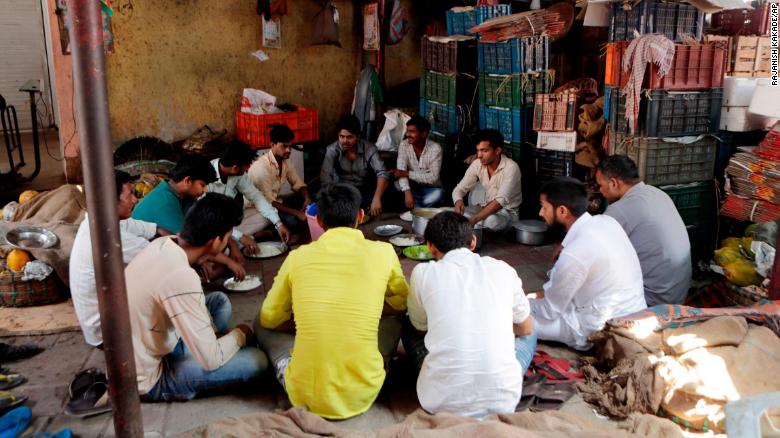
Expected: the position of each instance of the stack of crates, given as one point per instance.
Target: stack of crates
(511, 74)
(673, 141)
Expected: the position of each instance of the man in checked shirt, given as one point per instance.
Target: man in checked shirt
(419, 165)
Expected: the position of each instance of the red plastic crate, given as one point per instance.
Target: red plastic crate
(694, 67)
(615, 76)
(254, 130)
(742, 21)
(555, 111)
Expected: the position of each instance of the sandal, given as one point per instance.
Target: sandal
(8, 400)
(553, 396)
(93, 401)
(8, 381)
(556, 369)
(83, 380)
(531, 387)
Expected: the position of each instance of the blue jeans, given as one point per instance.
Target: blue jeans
(183, 378)
(426, 196)
(414, 344)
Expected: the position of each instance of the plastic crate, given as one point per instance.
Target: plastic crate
(509, 122)
(670, 113)
(518, 55)
(553, 164)
(454, 54)
(742, 21)
(485, 13)
(255, 130)
(608, 101)
(662, 163)
(694, 67)
(677, 21)
(557, 141)
(694, 201)
(460, 20)
(555, 112)
(449, 88)
(445, 119)
(513, 91)
(513, 151)
(536, 83)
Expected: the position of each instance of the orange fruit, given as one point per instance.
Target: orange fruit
(17, 259)
(27, 195)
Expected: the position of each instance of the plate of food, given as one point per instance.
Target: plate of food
(406, 240)
(388, 230)
(418, 252)
(266, 250)
(250, 282)
(406, 217)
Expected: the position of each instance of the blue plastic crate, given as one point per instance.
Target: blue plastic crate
(444, 119)
(510, 122)
(458, 23)
(485, 13)
(607, 106)
(536, 53)
(504, 58)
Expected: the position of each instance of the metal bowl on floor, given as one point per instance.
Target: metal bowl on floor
(530, 232)
(26, 237)
(388, 230)
(266, 250)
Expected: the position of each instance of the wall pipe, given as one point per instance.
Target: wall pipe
(89, 74)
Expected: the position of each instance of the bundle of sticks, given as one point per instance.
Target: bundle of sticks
(769, 147)
(532, 23)
(767, 190)
(749, 166)
(753, 210)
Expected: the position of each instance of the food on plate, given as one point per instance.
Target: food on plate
(404, 241)
(248, 283)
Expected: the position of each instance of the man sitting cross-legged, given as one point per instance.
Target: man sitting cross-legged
(479, 336)
(181, 341)
(329, 299)
(597, 275)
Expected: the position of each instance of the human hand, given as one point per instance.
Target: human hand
(248, 334)
(284, 233)
(376, 207)
(398, 173)
(409, 199)
(249, 244)
(459, 207)
(470, 159)
(238, 270)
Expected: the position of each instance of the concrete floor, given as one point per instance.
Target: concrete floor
(50, 372)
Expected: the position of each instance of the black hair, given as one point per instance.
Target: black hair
(281, 133)
(121, 178)
(338, 205)
(212, 216)
(350, 123)
(491, 136)
(196, 167)
(567, 192)
(449, 230)
(619, 167)
(238, 154)
(420, 122)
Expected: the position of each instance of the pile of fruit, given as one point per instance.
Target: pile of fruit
(738, 261)
(146, 183)
(17, 260)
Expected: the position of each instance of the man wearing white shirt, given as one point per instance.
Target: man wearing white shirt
(597, 275)
(499, 175)
(232, 179)
(419, 165)
(470, 308)
(135, 236)
(654, 227)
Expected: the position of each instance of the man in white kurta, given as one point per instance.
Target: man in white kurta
(135, 236)
(597, 275)
(470, 308)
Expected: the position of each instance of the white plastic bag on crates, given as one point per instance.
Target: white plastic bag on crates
(393, 132)
(257, 102)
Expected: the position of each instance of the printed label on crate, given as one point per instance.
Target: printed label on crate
(557, 141)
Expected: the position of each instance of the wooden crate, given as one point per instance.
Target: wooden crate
(746, 56)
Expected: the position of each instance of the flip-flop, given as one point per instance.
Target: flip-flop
(83, 380)
(15, 421)
(553, 396)
(10, 401)
(91, 402)
(531, 387)
(8, 381)
(556, 369)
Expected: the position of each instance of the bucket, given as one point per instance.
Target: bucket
(311, 218)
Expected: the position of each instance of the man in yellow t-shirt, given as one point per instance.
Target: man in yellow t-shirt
(338, 288)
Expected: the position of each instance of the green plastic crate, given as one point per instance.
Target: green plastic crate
(513, 91)
(695, 202)
(447, 88)
(512, 150)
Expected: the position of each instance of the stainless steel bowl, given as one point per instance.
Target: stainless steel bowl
(530, 232)
(267, 250)
(420, 218)
(31, 238)
(388, 230)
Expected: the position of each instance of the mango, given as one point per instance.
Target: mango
(742, 273)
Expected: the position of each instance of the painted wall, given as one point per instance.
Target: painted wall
(181, 64)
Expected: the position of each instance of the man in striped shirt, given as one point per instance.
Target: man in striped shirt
(419, 165)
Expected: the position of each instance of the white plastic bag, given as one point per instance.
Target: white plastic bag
(765, 257)
(257, 102)
(393, 132)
